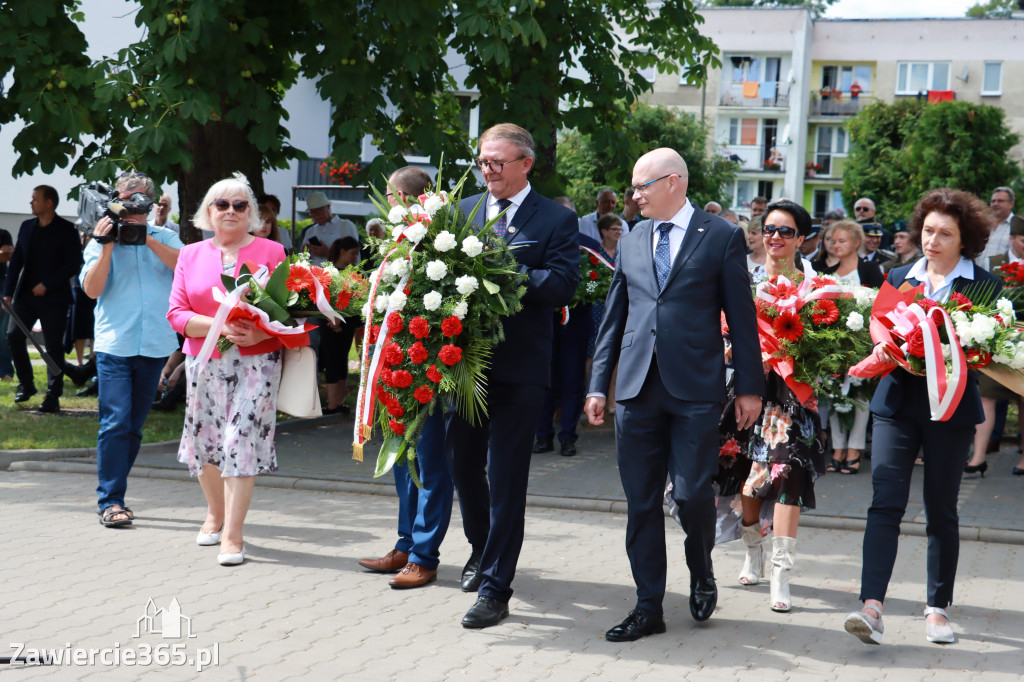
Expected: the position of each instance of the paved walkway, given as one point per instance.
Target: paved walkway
(300, 608)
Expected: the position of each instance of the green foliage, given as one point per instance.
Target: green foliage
(900, 151)
(587, 165)
(992, 8)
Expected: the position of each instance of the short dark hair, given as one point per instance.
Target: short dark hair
(49, 194)
(607, 221)
(339, 245)
(797, 212)
(411, 180)
(973, 217)
(272, 201)
(758, 200)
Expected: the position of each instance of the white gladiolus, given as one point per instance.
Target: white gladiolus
(466, 284)
(472, 246)
(397, 300)
(396, 214)
(855, 321)
(445, 241)
(436, 270)
(432, 204)
(380, 304)
(432, 301)
(416, 232)
(460, 310)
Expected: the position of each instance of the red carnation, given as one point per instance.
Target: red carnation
(397, 426)
(395, 323)
(382, 394)
(788, 326)
(374, 333)
(594, 275)
(419, 327)
(386, 376)
(423, 394)
(344, 298)
(825, 312)
(977, 359)
(299, 278)
(395, 409)
(393, 354)
(451, 326)
(402, 379)
(915, 343)
(450, 354)
(433, 374)
(593, 260)
(962, 302)
(417, 353)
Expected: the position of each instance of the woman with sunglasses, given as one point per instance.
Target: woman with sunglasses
(231, 404)
(776, 460)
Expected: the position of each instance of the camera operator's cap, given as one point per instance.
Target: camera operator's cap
(1016, 226)
(873, 229)
(317, 200)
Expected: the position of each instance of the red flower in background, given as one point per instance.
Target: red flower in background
(393, 354)
(322, 275)
(451, 326)
(433, 374)
(395, 323)
(419, 327)
(594, 260)
(825, 312)
(450, 354)
(397, 426)
(344, 297)
(417, 353)
(788, 326)
(402, 378)
(423, 394)
(374, 333)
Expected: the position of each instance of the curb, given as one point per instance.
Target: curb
(967, 533)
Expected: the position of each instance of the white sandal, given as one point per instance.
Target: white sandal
(938, 634)
(865, 628)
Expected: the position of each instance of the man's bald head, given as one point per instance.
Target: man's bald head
(665, 160)
(660, 178)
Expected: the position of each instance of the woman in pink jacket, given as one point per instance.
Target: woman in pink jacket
(231, 408)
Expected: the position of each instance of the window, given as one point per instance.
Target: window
(992, 79)
(649, 74)
(684, 76)
(825, 200)
(915, 77)
(743, 131)
(843, 77)
(832, 141)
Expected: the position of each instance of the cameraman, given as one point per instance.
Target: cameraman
(131, 285)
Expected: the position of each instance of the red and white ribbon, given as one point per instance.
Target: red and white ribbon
(945, 388)
(227, 301)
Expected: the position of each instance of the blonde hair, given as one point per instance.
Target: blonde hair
(228, 187)
(851, 228)
(520, 137)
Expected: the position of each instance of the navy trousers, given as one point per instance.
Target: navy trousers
(52, 316)
(568, 374)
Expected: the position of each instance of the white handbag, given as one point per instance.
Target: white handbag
(298, 395)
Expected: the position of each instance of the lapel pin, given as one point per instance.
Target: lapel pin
(700, 229)
(511, 230)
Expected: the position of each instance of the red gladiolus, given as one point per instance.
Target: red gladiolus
(397, 426)
(423, 394)
(593, 275)
(417, 353)
(451, 326)
(393, 354)
(419, 327)
(395, 323)
(344, 298)
(395, 409)
(450, 354)
(788, 326)
(402, 378)
(433, 374)
(825, 312)
(299, 278)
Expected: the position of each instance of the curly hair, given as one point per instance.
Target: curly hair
(973, 217)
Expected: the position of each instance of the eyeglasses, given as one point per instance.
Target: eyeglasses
(642, 188)
(240, 206)
(784, 231)
(495, 166)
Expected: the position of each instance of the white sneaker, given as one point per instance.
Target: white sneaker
(939, 634)
(864, 627)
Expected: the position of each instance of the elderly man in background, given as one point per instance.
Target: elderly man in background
(162, 214)
(326, 228)
(1002, 203)
(606, 202)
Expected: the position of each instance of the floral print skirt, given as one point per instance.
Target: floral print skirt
(231, 414)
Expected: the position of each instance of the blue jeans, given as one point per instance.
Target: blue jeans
(127, 389)
(424, 513)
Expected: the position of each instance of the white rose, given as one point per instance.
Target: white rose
(445, 241)
(396, 214)
(416, 232)
(432, 301)
(1005, 309)
(397, 300)
(460, 309)
(472, 246)
(398, 267)
(432, 204)
(466, 284)
(855, 322)
(380, 304)
(436, 270)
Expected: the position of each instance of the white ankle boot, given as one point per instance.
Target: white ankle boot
(782, 563)
(754, 563)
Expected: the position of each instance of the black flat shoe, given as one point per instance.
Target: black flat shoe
(703, 598)
(487, 611)
(976, 468)
(91, 389)
(639, 623)
(51, 404)
(471, 577)
(568, 449)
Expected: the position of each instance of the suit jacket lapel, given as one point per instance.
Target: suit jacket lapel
(522, 216)
(695, 233)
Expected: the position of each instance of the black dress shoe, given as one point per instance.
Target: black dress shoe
(51, 403)
(471, 577)
(639, 623)
(23, 393)
(79, 374)
(703, 598)
(543, 445)
(487, 611)
(568, 448)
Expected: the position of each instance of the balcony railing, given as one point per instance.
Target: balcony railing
(838, 105)
(754, 94)
(751, 157)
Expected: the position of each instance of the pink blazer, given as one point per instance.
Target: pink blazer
(198, 271)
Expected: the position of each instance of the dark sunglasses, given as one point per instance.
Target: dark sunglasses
(240, 206)
(784, 231)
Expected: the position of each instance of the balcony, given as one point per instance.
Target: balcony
(752, 157)
(754, 94)
(838, 104)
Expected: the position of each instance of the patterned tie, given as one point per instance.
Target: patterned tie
(501, 227)
(663, 255)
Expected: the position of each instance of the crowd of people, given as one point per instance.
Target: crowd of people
(652, 356)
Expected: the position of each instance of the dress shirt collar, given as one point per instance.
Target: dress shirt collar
(517, 200)
(919, 271)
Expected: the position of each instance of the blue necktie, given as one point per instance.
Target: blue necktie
(663, 255)
(501, 227)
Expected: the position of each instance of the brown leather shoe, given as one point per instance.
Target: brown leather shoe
(391, 562)
(413, 575)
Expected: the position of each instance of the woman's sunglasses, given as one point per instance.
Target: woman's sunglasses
(784, 231)
(240, 206)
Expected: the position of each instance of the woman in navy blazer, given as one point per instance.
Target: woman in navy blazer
(952, 228)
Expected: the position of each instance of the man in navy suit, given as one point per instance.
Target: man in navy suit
(662, 324)
(38, 287)
(491, 460)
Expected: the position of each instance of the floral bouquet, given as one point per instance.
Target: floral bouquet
(845, 394)
(1012, 275)
(811, 329)
(433, 317)
(973, 330)
(595, 279)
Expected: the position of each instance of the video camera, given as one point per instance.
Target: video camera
(97, 200)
